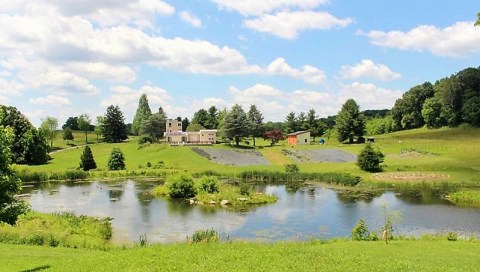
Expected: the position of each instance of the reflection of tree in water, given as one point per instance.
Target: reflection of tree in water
(144, 198)
(422, 196)
(179, 206)
(115, 193)
(352, 196)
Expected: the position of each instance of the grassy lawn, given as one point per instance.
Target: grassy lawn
(453, 154)
(237, 256)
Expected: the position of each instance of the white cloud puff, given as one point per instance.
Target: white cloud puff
(458, 40)
(368, 69)
(50, 100)
(255, 7)
(308, 73)
(190, 18)
(287, 25)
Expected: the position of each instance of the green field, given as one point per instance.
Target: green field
(237, 256)
(421, 155)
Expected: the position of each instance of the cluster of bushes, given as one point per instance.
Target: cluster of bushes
(61, 229)
(71, 175)
(276, 177)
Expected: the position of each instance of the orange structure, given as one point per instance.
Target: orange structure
(299, 137)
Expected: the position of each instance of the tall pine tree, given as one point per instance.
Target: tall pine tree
(87, 162)
(236, 124)
(255, 118)
(350, 122)
(114, 128)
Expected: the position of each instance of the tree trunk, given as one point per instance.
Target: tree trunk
(237, 141)
(253, 141)
(86, 140)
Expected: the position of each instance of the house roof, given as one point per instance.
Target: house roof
(296, 133)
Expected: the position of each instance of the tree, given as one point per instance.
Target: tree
(350, 122)
(202, 118)
(49, 127)
(84, 123)
(99, 126)
(213, 118)
(142, 114)
(432, 113)
(370, 159)
(116, 161)
(302, 121)
(471, 111)
(236, 124)
(71, 123)
(153, 127)
(114, 128)
(273, 135)
(67, 134)
(87, 162)
(407, 112)
(29, 146)
(313, 124)
(10, 185)
(185, 124)
(291, 123)
(477, 23)
(255, 119)
(360, 232)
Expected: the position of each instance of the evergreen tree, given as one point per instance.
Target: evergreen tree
(291, 123)
(236, 124)
(212, 122)
(255, 119)
(153, 127)
(10, 185)
(142, 114)
(185, 124)
(87, 162)
(350, 122)
(114, 128)
(301, 121)
(116, 160)
(370, 159)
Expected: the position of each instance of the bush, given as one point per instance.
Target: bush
(360, 231)
(181, 186)
(87, 162)
(209, 184)
(452, 236)
(245, 189)
(116, 160)
(369, 159)
(292, 168)
(205, 236)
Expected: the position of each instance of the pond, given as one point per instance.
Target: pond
(309, 212)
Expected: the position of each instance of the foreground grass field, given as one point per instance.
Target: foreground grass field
(440, 155)
(332, 256)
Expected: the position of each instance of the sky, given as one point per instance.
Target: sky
(63, 58)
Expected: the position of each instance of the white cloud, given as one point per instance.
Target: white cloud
(367, 68)
(255, 7)
(190, 18)
(369, 96)
(50, 100)
(308, 73)
(104, 71)
(458, 40)
(287, 25)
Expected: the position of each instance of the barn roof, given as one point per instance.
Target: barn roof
(296, 133)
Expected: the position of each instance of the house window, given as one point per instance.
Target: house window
(306, 140)
(169, 124)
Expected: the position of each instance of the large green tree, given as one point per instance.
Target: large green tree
(350, 122)
(49, 127)
(10, 185)
(212, 122)
(153, 127)
(432, 113)
(29, 145)
(142, 114)
(407, 112)
(477, 23)
(87, 162)
(236, 124)
(84, 123)
(201, 117)
(100, 120)
(71, 123)
(114, 128)
(255, 119)
(291, 124)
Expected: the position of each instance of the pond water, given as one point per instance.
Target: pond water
(309, 212)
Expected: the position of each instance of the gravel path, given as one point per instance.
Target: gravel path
(320, 155)
(234, 157)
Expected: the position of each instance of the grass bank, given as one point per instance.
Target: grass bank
(236, 256)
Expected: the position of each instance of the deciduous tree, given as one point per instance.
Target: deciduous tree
(67, 134)
(84, 123)
(49, 127)
(153, 127)
(274, 136)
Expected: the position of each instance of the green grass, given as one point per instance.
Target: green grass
(78, 139)
(64, 229)
(237, 256)
(466, 198)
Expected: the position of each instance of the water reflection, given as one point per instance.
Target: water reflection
(300, 214)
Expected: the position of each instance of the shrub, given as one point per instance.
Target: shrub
(209, 184)
(292, 168)
(116, 160)
(452, 236)
(369, 159)
(75, 175)
(87, 162)
(360, 231)
(245, 189)
(181, 186)
(205, 236)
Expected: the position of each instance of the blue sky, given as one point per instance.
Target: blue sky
(64, 58)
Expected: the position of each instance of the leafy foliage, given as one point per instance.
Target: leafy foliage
(116, 160)
(142, 114)
(370, 159)
(209, 184)
(181, 186)
(67, 134)
(274, 136)
(72, 123)
(350, 122)
(87, 162)
(255, 119)
(205, 236)
(360, 232)
(10, 185)
(49, 127)
(84, 123)
(114, 128)
(153, 127)
(292, 168)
